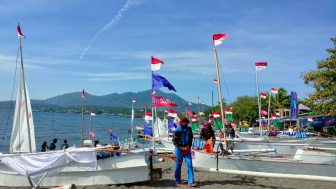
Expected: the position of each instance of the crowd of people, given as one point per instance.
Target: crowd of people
(52, 146)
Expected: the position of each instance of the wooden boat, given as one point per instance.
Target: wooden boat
(306, 163)
(26, 167)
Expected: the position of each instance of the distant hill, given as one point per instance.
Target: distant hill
(73, 101)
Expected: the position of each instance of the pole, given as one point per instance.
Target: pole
(220, 95)
(153, 127)
(259, 103)
(90, 126)
(269, 109)
(110, 139)
(212, 94)
(25, 96)
(82, 123)
(132, 122)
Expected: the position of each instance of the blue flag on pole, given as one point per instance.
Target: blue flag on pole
(158, 81)
(113, 136)
(148, 130)
(171, 125)
(294, 106)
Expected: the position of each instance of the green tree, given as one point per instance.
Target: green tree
(281, 100)
(323, 79)
(245, 108)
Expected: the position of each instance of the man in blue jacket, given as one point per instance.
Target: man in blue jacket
(182, 140)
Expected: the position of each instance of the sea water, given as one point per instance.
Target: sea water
(67, 126)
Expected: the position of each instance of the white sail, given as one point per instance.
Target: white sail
(160, 129)
(20, 140)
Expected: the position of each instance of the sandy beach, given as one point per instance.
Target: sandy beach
(216, 180)
(213, 180)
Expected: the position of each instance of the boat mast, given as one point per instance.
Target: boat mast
(132, 118)
(269, 109)
(25, 95)
(220, 95)
(82, 120)
(259, 103)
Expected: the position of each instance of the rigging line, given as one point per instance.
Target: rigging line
(11, 103)
(225, 83)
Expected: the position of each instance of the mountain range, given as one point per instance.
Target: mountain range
(73, 101)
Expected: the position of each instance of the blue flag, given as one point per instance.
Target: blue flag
(113, 136)
(171, 125)
(148, 130)
(294, 106)
(158, 81)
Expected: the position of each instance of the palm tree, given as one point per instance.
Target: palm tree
(282, 99)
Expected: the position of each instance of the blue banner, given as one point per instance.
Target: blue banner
(294, 106)
(198, 143)
(301, 134)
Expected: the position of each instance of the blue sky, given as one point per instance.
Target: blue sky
(105, 46)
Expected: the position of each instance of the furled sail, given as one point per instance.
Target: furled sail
(23, 136)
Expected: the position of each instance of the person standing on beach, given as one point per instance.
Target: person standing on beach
(53, 145)
(182, 140)
(65, 145)
(44, 146)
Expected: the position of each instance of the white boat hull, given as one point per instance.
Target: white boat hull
(116, 170)
(313, 166)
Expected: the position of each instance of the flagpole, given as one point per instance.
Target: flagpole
(259, 103)
(269, 108)
(82, 121)
(220, 94)
(132, 122)
(90, 126)
(110, 138)
(212, 94)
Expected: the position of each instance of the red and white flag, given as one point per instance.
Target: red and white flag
(133, 100)
(83, 95)
(145, 105)
(261, 66)
(219, 38)
(201, 113)
(274, 90)
(216, 114)
(141, 109)
(274, 116)
(193, 118)
(19, 32)
(92, 113)
(188, 112)
(172, 113)
(91, 134)
(166, 110)
(189, 103)
(198, 98)
(215, 81)
(263, 95)
(263, 112)
(148, 116)
(156, 64)
(228, 112)
(202, 102)
(111, 129)
(310, 119)
(158, 101)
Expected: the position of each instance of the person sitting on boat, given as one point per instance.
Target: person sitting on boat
(208, 134)
(182, 140)
(65, 145)
(53, 144)
(44, 146)
(230, 133)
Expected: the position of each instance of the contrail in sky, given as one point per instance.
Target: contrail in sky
(114, 20)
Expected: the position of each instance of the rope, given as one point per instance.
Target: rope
(224, 82)
(11, 104)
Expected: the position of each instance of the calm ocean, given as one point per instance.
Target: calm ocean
(63, 126)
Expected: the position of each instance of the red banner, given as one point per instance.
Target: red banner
(158, 101)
